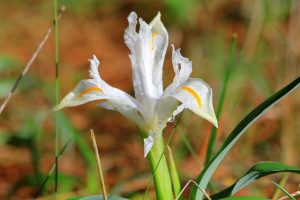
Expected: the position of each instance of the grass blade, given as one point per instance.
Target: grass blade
(282, 183)
(237, 132)
(174, 174)
(229, 66)
(258, 171)
(38, 193)
(284, 191)
(189, 147)
(56, 96)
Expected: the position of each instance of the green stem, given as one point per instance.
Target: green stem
(213, 134)
(56, 97)
(162, 181)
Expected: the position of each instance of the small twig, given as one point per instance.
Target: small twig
(295, 194)
(99, 164)
(282, 183)
(187, 184)
(29, 63)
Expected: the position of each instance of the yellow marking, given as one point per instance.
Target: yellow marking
(194, 94)
(91, 89)
(153, 35)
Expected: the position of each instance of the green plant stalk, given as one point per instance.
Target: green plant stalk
(174, 175)
(162, 180)
(213, 134)
(162, 155)
(56, 96)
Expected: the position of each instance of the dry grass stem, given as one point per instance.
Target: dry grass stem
(29, 63)
(295, 194)
(99, 164)
(187, 184)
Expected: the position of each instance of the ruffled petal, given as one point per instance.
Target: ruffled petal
(182, 67)
(196, 95)
(148, 48)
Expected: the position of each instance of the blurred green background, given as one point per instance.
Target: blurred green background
(268, 57)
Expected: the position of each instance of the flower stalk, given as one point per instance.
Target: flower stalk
(162, 180)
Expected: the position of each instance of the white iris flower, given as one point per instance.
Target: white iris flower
(152, 107)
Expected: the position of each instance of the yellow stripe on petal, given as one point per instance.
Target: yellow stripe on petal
(194, 94)
(152, 40)
(88, 90)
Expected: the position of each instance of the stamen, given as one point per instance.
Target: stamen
(194, 94)
(91, 89)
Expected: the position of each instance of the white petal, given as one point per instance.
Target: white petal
(148, 143)
(148, 48)
(95, 89)
(106, 105)
(94, 74)
(85, 91)
(178, 110)
(159, 45)
(116, 99)
(164, 108)
(182, 67)
(196, 95)
(131, 35)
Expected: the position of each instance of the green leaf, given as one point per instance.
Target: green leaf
(174, 175)
(245, 198)
(96, 197)
(259, 170)
(237, 132)
(68, 128)
(88, 155)
(227, 74)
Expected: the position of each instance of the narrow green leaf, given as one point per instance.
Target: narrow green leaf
(259, 170)
(56, 115)
(174, 174)
(284, 191)
(189, 146)
(39, 191)
(229, 66)
(237, 132)
(69, 129)
(87, 153)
